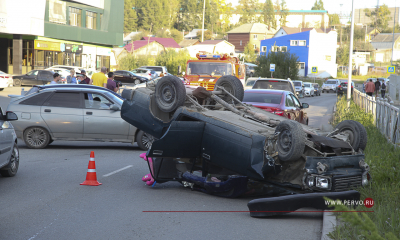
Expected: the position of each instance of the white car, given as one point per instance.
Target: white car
(308, 89)
(77, 69)
(157, 69)
(62, 71)
(6, 80)
(142, 72)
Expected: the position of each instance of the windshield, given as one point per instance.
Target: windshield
(297, 84)
(330, 82)
(2, 72)
(307, 85)
(262, 98)
(250, 82)
(272, 84)
(209, 68)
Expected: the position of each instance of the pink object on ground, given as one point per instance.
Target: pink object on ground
(148, 178)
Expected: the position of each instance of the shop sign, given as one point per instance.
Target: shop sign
(73, 48)
(49, 46)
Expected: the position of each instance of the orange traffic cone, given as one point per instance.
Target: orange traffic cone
(91, 177)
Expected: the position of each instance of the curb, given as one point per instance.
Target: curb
(328, 224)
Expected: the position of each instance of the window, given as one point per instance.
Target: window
(96, 101)
(75, 16)
(255, 36)
(254, 46)
(283, 49)
(57, 11)
(240, 42)
(91, 18)
(263, 48)
(302, 42)
(274, 49)
(36, 100)
(295, 101)
(289, 101)
(101, 20)
(301, 65)
(294, 43)
(64, 99)
(33, 73)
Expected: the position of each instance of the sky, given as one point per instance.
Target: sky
(332, 6)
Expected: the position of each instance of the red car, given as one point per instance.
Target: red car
(279, 102)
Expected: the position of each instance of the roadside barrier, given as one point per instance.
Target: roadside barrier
(386, 115)
(91, 176)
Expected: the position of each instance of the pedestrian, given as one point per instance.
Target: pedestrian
(100, 79)
(383, 89)
(85, 79)
(377, 86)
(370, 88)
(71, 79)
(111, 84)
(56, 78)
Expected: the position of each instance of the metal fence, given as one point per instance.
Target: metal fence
(386, 115)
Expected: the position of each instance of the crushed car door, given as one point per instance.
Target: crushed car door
(181, 140)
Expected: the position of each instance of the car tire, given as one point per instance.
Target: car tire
(170, 93)
(291, 140)
(17, 83)
(36, 137)
(144, 140)
(10, 170)
(137, 81)
(349, 127)
(363, 134)
(233, 85)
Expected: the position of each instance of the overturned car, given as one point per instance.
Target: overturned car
(212, 142)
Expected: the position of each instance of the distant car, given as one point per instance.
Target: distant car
(73, 112)
(128, 77)
(274, 83)
(158, 69)
(342, 88)
(317, 89)
(6, 80)
(250, 71)
(77, 69)
(308, 89)
(142, 72)
(298, 85)
(62, 71)
(154, 74)
(9, 155)
(330, 85)
(249, 83)
(34, 77)
(282, 103)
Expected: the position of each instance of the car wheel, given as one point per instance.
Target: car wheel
(290, 143)
(144, 140)
(363, 134)
(12, 167)
(137, 81)
(17, 83)
(36, 137)
(350, 128)
(170, 93)
(233, 85)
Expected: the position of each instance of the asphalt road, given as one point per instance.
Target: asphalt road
(45, 201)
(320, 110)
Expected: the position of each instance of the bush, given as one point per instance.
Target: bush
(172, 59)
(285, 65)
(130, 62)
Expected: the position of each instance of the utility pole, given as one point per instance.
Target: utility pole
(202, 29)
(394, 26)
(148, 39)
(350, 68)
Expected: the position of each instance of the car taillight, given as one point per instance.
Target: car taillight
(340, 86)
(280, 113)
(352, 86)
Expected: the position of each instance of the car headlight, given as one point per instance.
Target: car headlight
(365, 179)
(310, 181)
(321, 182)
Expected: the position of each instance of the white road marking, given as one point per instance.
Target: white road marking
(116, 171)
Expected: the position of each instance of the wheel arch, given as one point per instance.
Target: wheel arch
(39, 126)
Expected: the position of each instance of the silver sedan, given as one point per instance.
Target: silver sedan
(9, 154)
(73, 112)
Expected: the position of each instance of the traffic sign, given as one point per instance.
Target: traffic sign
(391, 69)
(314, 69)
(272, 67)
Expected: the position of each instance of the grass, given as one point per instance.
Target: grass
(384, 189)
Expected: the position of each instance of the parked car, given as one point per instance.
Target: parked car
(76, 69)
(279, 102)
(274, 83)
(142, 72)
(342, 88)
(250, 83)
(34, 77)
(317, 89)
(330, 85)
(6, 80)
(9, 154)
(158, 69)
(73, 112)
(308, 89)
(128, 77)
(250, 70)
(298, 85)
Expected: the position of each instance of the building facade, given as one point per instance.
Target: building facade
(56, 32)
(251, 33)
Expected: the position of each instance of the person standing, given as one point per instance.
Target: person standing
(71, 79)
(383, 89)
(370, 88)
(85, 79)
(100, 79)
(377, 86)
(111, 84)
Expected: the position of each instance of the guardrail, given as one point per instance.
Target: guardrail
(386, 115)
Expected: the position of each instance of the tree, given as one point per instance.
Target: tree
(269, 14)
(286, 65)
(380, 17)
(247, 9)
(342, 55)
(172, 59)
(130, 62)
(250, 53)
(130, 16)
(283, 12)
(176, 35)
(333, 19)
(225, 11)
(207, 34)
(318, 5)
(190, 15)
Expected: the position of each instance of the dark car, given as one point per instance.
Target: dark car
(342, 88)
(282, 103)
(34, 77)
(128, 77)
(275, 83)
(317, 89)
(214, 143)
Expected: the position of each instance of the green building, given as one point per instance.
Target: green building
(42, 33)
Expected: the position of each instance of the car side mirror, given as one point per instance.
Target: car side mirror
(305, 105)
(114, 107)
(10, 116)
